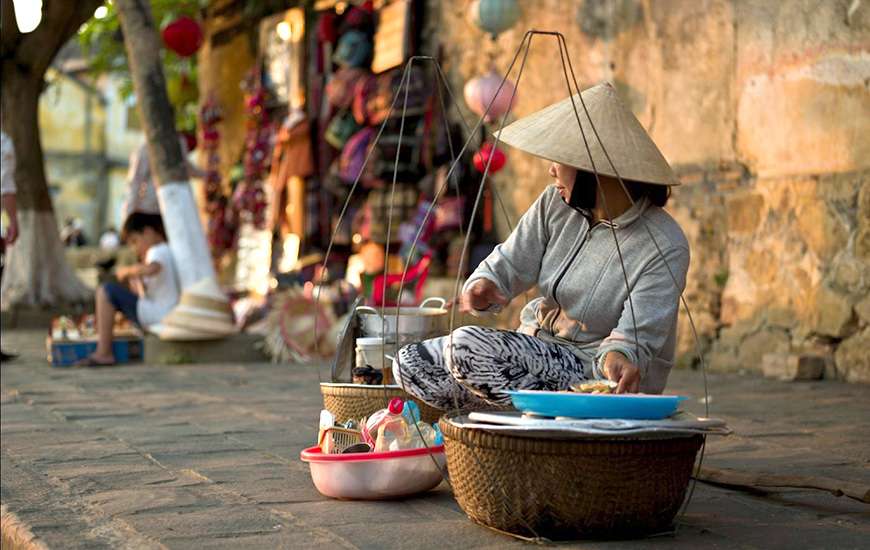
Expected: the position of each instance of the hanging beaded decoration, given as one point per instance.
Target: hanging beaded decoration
(221, 229)
(249, 198)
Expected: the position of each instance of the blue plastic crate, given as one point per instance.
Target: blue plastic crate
(65, 353)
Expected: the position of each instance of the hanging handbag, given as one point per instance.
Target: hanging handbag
(340, 129)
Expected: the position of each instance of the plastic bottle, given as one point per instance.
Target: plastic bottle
(411, 412)
(393, 432)
(428, 433)
(375, 420)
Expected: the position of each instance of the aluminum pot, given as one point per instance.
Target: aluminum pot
(414, 323)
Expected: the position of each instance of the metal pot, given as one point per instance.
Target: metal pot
(414, 323)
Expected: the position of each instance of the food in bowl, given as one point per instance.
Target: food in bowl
(596, 386)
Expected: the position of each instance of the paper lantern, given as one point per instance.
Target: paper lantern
(481, 91)
(482, 157)
(494, 16)
(183, 36)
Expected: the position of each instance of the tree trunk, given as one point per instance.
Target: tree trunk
(177, 205)
(36, 271)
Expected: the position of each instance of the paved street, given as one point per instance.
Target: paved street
(207, 456)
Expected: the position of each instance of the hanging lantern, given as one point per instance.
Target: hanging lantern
(494, 16)
(482, 157)
(481, 91)
(183, 36)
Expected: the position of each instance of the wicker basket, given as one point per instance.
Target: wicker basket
(354, 401)
(614, 488)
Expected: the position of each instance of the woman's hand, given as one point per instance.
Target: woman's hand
(626, 374)
(480, 296)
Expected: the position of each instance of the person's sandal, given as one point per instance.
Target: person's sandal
(89, 361)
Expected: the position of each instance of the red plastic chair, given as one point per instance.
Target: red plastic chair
(414, 281)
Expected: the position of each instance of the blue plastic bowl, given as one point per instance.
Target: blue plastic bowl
(585, 405)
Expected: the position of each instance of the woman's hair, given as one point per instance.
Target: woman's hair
(138, 221)
(657, 194)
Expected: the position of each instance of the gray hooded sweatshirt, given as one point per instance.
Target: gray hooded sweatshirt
(584, 303)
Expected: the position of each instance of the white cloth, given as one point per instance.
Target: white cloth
(161, 290)
(7, 165)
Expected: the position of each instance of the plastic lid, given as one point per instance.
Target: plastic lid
(396, 405)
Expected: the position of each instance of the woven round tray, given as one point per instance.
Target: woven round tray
(348, 401)
(569, 489)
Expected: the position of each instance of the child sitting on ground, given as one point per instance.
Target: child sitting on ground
(155, 281)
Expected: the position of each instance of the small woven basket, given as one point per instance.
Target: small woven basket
(348, 401)
(603, 488)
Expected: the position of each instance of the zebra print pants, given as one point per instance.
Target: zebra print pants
(482, 363)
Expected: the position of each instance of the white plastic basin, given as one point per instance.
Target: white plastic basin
(375, 476)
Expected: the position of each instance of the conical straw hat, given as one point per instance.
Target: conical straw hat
(175, 334)
(552, 133)
(202, 310)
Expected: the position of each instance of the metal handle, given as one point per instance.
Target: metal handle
(368, 309)
(442, 301)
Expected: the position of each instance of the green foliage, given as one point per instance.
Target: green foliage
(102, 44)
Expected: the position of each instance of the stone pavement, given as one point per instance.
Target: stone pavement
(207, 456)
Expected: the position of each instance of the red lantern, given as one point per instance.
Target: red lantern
(482, 157)
(183, 36)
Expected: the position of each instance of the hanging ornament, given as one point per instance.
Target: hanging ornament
(190, 140)
(249, 198)
(183, 36)
(494, 16)
(326, 31)
(482, 157)
(481, 91)
(221, 231)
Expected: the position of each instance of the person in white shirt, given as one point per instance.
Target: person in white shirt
(7, 198)
(141, 192)
(7, 187)
(155, 279)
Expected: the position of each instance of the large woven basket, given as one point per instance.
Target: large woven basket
(613, 488)
(354, 401)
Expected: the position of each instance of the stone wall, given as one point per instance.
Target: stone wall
(763, 108)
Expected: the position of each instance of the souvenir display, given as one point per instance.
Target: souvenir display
(249, 198)
(220, 229)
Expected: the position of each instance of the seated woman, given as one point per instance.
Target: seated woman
(154, 279)
(583, 326)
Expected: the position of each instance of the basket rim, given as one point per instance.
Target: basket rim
(358, 386)
(496, 441)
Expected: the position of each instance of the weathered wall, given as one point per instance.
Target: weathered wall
(72, 117)
(222, 67)
(763, 108)
(87, 139)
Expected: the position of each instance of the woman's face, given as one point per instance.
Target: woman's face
(564, 179)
